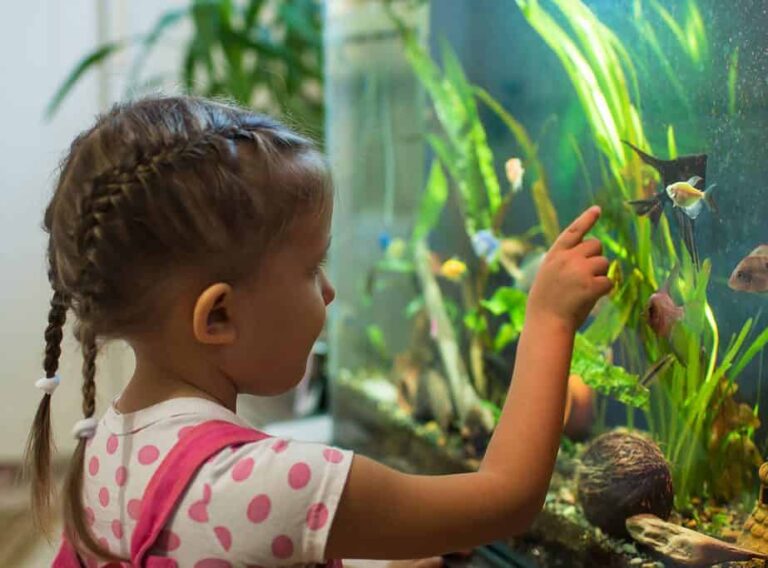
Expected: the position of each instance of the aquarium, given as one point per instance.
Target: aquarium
(461, 136)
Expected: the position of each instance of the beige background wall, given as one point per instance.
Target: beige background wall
(41, 40)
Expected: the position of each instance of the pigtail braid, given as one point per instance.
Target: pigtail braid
(39, 443)
(75, 520)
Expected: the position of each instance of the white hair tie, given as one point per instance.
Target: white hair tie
(85, 428)
(48, 384)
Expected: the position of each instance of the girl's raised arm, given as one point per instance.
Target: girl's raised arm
(387, 514)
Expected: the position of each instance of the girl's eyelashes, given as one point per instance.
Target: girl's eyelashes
(320, 266)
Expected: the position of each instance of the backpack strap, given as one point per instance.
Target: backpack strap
(175, 473)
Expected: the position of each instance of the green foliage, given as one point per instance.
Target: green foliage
(237, 50)
(590, 364)
(509, 302)
(462, 147)
(432, 202)
(544, 207)
(376, 340)
(687, 399)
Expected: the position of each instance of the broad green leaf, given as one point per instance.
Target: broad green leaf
(474, 321)
(507, 333)
(505, 300)
(590, 364)
(432, 202)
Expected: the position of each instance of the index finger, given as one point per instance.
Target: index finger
(572, 236)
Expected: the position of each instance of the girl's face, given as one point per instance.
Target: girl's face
(281, 311)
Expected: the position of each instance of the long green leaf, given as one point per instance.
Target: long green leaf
(545, 210)
(581, 75)
(432, 202)
(757, 345)
(85, 64)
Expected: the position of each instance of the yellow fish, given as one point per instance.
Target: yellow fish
(453, 269)
(685, 196)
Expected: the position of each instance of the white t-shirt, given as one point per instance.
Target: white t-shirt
(266, 503)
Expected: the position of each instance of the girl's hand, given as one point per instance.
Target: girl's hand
(573, 275)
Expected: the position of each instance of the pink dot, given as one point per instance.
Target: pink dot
(93, 466)
(332, 455)
(198, 512)
(134, 509)
(282, 547)
(258, 508)
(184, 431)
(224, 536)
(212, 563)
(104, 543)
(104, 496)
(207, 493)
(112, 444)
(90, 516)
(243, 469)
(117, 529)
(279, 446)
(317, 516)
(121, 475)
(298, 475)
(148, 454)
(168, 540)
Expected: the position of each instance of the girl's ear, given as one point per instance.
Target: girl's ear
(211, 321)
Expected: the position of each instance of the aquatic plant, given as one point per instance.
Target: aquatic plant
(688, 402)
(469, 162)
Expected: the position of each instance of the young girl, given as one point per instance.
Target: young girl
(197, 232)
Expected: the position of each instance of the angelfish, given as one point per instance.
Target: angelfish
(672, 172)
(687, 197)
(661, 311)
(751, 274)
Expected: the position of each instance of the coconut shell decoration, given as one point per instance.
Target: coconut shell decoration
(623, 474)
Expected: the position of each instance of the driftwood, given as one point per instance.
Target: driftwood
(683, 546)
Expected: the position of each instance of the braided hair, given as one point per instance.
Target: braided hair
(157, 184)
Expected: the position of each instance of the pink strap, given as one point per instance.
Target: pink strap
(174, 474)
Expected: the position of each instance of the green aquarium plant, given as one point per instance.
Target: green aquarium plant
(705, 434)
(266, 53)
(490, 313)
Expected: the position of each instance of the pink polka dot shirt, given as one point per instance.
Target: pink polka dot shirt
(267, 503)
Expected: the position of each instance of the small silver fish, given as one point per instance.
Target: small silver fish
(751, 274)
(661, 311)
(691, 200)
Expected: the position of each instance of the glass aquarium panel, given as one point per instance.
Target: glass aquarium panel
(457, 160)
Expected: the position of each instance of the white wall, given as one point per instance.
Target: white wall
(40, 41)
